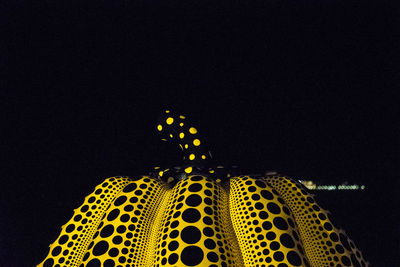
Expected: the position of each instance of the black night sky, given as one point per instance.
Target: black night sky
(306, 88)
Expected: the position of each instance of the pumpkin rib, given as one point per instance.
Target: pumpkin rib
(130, 220)
(194, 230)
(261, 221)
(227, 223)
(323, 242)
(75, 235)
(165, 198)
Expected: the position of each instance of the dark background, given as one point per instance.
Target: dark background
(304, 87)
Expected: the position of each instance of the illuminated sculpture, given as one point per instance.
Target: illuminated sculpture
(199, 217)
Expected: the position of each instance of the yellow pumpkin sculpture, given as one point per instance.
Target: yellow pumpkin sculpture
(200, 217)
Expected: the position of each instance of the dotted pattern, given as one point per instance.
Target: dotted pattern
(184, 218)
(124, 235)
(325, 245)
(196, 228)
(196, 159)
(245, 221)
(174, 127)
(265, 228)
(76, 235)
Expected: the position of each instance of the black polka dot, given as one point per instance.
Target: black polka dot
(267, 195)
(113, 215)
(267, 225)
(270, 235)
(173, 245)
(259, 206)
(344, 241)
(261, 184)
(207, 192)
(208, 210)
(209, 243)
(334, 237)
(94, 263)
(113, 252)
(192, 255)
(280, 223)
(287, 241)
(70, 228)
(190, 234)
(315, 207)
(85, 208)
(122, 259)
(121, 229)
(207, 231)
(273, 208)
(286, 210)
(107, 231)
(56, 251)
(125, 218)
(252, 188)
(117, 240)
(193, 200)
(109, 263)
(212, 256)
(173, 258)
(293, 258)
(339, 248)
(63, 239)
(354, 260)
(130, 188)
(274, 245)
(195, 187)
(278, 256)
(128, 208)
(143, 186)
(346, 261)
(191, 215)
(196, 178)
(174, 224)
(100, 248)
(208, 201)
(48, 263)
(207, 220)
(328, 226)
(174, 234)
(119, 201)
(133, 199)
(322, 216)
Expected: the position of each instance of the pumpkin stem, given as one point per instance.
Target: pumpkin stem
(177, 128)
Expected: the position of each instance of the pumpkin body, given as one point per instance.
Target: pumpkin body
(244, 221)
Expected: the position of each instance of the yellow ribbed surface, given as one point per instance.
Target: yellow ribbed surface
(228, 226)
(75, 236)
(265, 228)
(194, 229)
(124, 235)
(325, 245)
(157, 226)
(200, 222)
